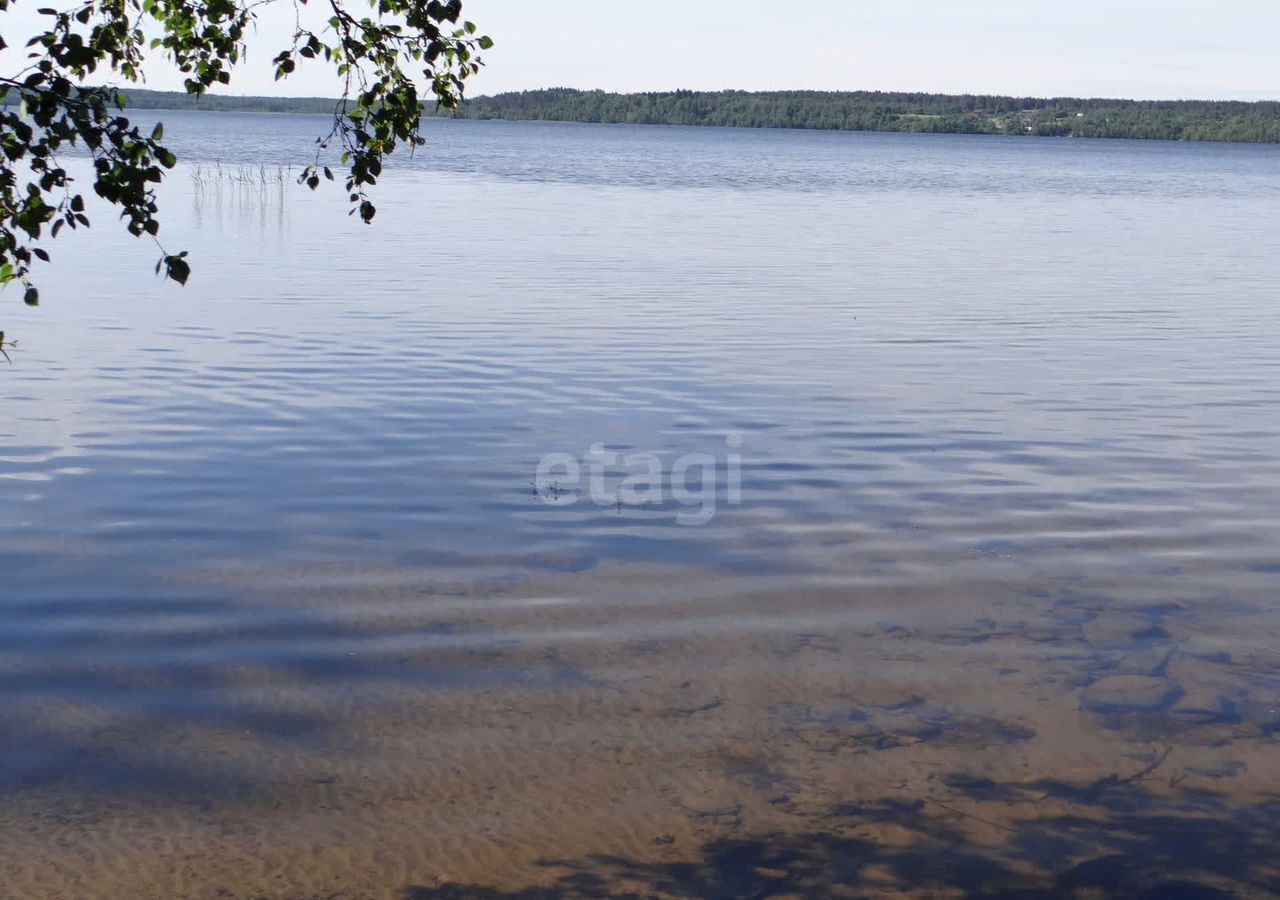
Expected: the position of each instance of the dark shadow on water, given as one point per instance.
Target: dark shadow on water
(1117, 842)
(91, 707)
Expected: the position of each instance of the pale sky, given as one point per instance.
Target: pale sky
(1114, 48)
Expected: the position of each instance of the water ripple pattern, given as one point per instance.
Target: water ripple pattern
(989, 435)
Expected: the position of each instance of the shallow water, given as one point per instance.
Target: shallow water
(970, 587)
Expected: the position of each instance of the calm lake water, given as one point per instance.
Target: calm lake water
(953, 568)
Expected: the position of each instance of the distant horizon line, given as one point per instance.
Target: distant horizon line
(671, 91)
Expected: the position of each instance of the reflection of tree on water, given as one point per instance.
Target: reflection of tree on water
(253, 194)
(6, 345)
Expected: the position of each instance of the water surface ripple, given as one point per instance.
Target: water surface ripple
(989, 435)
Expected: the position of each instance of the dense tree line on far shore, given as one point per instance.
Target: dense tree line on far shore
(1186, 120)
(1191, 120)
(143, 99)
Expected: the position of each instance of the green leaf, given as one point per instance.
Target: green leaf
(177, 268)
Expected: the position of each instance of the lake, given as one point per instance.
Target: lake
(653, 512)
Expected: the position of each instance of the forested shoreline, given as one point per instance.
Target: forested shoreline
(1186, 120)
(144, 99)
